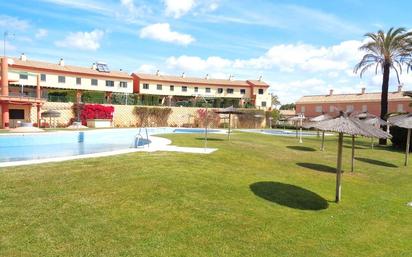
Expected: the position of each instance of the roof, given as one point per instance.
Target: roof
(194, 80)
(259, 83)
(40, 65)
(346, 98)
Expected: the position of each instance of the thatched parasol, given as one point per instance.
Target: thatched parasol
(312, 124)
(229, 110)
(403, 121)
(351, 126)
(50, 114)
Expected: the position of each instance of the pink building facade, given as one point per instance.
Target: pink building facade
(312, 106)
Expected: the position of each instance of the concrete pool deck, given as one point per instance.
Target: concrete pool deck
(156, 144)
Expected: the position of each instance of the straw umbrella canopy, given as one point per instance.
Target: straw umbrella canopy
(353, 127)
(376, 122)
(50, 114)
(403, 121)
(229, 110)
(312, 123)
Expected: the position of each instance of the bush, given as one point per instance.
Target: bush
(94, 111)
(213, 118)
(248, 119)
(149, 115)
(399, 136)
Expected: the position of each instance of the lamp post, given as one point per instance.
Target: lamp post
(5, 35)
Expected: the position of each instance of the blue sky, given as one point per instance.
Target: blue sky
(299, 47)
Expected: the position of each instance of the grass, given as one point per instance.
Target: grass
(258, 195)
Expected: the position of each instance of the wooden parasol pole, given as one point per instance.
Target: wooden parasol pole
(322, 145)
(353, 153)
(339, 169)
(408, 139)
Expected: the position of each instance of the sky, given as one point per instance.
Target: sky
(298, 47)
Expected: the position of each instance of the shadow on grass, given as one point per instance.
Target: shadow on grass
(376, 162)
(356, 147)
(209, 139)
(301, 148)
(317, 167)
(289, 195)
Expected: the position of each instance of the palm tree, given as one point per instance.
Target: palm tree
(386, 52)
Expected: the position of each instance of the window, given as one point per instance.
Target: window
(349, 108)
(109, 83)
(172, 88)
(145, 86)
(94, 82)
(207, 90)
(263, 104)
(184, 89)
(318, 108)
(123, 84)
(229, 90)
(23, 76)
(260, 91)
(16, 114)
(399, 108)
(159, 86)
(43, 77)
(196, 89)
(78, 81)
(364, 108)
(243, 91)
(331, 108)
(302, 109)
(220, 90)
(61, 79)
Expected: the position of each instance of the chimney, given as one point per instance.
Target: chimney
(331, 92)
(230, 77)
(400, 88)
(363, 91)
(260, 78)
(23, 57)
(61, 62)
(207, 76)
(94, 66)
(158, 73)
(183, 75)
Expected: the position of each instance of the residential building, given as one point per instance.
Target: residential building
(174, 89)
(331, 103)
(26, 83)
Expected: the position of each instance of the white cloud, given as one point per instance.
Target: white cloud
(41, 33)
(82, 40)
(194, 63)
(13, 23)
(178, 8)
(133, 13)
(162, 32)
(9, 47)
(146, 68)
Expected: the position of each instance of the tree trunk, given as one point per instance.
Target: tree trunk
(384, 95)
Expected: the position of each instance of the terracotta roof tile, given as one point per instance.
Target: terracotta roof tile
(31, 64)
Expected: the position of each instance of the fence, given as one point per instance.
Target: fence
(155, 116)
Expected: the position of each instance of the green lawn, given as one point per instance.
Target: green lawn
(258, 195)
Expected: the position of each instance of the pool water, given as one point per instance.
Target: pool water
(69, 143)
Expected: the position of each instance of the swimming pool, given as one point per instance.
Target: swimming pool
(21, 147)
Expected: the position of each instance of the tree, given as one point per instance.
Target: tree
(275, 100)
(290, 106)
(386, 52)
